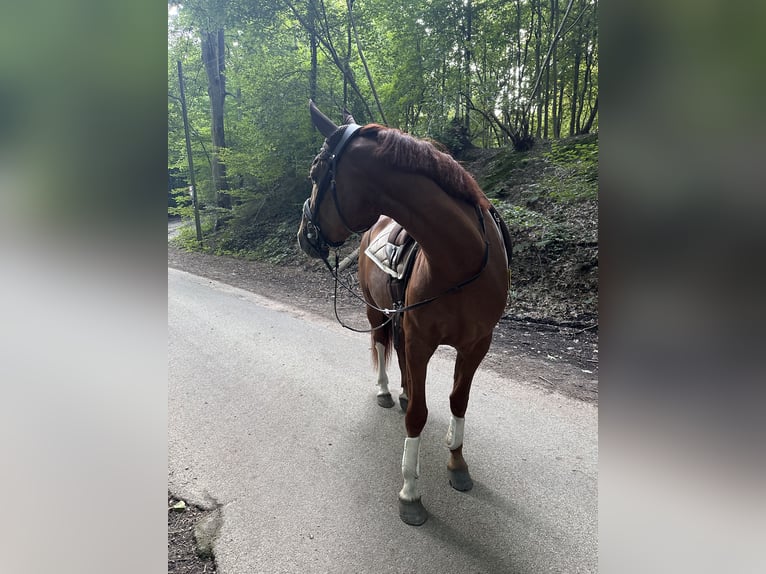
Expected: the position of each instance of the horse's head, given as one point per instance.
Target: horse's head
(310, 237)
(323, 224)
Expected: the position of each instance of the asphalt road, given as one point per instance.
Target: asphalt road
(272, 414)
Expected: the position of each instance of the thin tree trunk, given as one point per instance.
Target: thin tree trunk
(575, 84)
(546, 67)
(585, 87)
(517, 75)
(538, 59)
(467, 63)
(364, 62)
(591, 118)
(324, 40)
(189, 157)
(213, 58)
(555, 71)
(348, 55)
(587, 83)
(523, 113)
(560, 112)
(312, 22)
(547, 102)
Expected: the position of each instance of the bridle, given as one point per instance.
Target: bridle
(313, 231)
(318, 241)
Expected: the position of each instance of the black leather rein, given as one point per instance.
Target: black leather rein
(314, 232)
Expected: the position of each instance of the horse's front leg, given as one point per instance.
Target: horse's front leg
(411, 509)
(401, 357)
(465, 367)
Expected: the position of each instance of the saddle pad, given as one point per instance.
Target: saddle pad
(382, 253)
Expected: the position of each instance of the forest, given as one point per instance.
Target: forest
(509, 87)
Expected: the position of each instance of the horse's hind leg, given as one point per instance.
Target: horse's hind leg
(465, 367)
(380, 351)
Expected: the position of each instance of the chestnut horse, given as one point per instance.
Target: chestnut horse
(459, 283)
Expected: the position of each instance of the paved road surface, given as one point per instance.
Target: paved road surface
(272, 414)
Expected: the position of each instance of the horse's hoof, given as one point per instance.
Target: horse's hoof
(412, 512)
(385, 401)
(460, 480)
(403, 403)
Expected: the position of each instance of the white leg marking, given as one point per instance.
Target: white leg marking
(382, 377)
(410, 469)
(455, 432)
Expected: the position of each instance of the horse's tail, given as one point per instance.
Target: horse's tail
(505, 232)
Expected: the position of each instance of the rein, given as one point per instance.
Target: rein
(392, 313)
(311, 216)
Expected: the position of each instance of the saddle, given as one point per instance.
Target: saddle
(393, 250)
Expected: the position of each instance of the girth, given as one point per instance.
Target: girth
(401, 248)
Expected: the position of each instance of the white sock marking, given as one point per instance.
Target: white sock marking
(382, 377)
(410, 469)
(455, 432)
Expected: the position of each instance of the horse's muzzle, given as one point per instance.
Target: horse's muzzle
(311, 242)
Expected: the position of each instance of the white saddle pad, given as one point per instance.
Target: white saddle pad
(381, 252)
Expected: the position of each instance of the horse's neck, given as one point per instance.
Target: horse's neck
(446, 229)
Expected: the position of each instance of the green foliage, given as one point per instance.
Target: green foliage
(424, 64)
(277, 247)
(183, 201)
(187, 235)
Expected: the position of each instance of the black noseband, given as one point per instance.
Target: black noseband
(313, 231)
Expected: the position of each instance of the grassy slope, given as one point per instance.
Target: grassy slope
(549, 198)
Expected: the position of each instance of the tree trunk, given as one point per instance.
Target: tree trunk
(312, 22)
(546, 67)
(585, 87)
(591, 118)
(538, 61)
(325, 40)
(467, 63)
(364, 61)
(517, 74)
(575, 83)
(546, 100)
(560, 112)
(555, 70)
(348, 56)
(213, 58)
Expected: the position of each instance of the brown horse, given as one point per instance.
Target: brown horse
(459, 283)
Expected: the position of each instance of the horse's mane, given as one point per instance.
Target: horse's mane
(402, 151)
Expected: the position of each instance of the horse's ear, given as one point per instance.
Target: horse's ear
(324, 124)
(347, 117)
